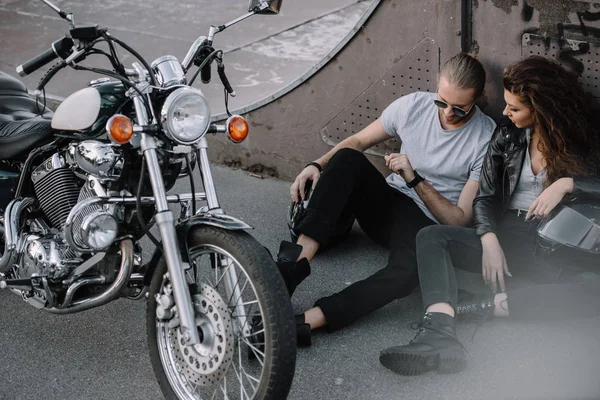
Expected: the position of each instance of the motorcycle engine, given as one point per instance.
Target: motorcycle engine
(43, 257)
(56, 188)
(44, 252)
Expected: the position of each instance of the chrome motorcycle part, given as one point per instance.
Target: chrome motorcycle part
(75, 286)
(98, 81)
(39, 227)
(12, 228)
(261, 7)
(42, 257)
(72, 231)
(55, 186)
(208, 361)
(99, 230)
(168, 71)
(55, 162)
(206, 174)
(189, 57)
(265, 7)
(185, 116)
(98, 159)
(111, 293)
(166, 224)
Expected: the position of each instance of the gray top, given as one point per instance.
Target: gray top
(530, 186)
(445, 158)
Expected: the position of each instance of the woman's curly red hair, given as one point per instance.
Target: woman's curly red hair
(569, 139)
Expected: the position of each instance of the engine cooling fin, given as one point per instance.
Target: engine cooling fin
(57, 192)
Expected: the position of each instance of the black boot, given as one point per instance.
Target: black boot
(292, 271)
(481, 306)
(434, 347)
(303, 338)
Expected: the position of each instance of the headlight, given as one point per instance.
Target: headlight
(185, 116)
(99, 230)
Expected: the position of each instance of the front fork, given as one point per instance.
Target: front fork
(166, 224)
(232, 287)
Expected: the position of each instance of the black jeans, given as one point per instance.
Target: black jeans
(350, 183)
(554, 293)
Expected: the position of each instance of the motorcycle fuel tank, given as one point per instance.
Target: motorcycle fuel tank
(79, 111)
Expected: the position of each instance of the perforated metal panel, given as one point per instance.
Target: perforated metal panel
(581, 56)
(416, 71)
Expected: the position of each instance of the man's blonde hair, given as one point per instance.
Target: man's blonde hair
(465, 71)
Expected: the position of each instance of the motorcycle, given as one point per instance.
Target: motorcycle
(83, 185)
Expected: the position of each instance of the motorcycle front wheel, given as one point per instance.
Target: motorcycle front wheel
(244, 319)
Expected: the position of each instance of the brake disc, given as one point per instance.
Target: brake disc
(205, 364)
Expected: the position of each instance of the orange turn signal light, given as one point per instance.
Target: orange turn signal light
(119, 128)
(237, 128)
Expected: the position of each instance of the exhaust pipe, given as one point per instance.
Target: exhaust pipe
(12, 226)
(112, 293)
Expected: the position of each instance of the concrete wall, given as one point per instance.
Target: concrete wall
(286, 133)
(399, 50)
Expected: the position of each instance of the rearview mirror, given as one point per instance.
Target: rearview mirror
(273, 6)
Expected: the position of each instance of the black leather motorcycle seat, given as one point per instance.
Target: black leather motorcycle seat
(23, 122)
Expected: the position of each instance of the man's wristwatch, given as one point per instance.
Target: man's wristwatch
(418, 179)
(316, 165)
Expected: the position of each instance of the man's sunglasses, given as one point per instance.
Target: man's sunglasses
(457, 110)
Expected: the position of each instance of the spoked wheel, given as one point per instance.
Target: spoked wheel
(244, 320)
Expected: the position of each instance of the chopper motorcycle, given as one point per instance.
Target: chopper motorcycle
(83, 185)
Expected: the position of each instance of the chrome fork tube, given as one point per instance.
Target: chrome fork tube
(166, 225)
(232, 287)
(207, 180)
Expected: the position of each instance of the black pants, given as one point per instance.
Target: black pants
(350, 183)
(546, 287)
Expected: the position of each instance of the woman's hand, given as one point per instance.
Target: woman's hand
(493, 263)
(298, 188)
(549, 198)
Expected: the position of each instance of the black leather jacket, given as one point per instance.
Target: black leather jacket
(500, 174)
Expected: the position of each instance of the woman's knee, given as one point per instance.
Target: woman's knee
(434, 234)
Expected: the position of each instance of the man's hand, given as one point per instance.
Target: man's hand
(493, 263)
(399, 164)
(299, 186)
(549, 198)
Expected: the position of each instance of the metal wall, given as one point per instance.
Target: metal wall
(399, 50)
(505, 31)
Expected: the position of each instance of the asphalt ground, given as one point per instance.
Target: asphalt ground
(102, 353)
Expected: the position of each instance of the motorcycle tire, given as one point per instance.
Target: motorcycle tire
(257, 362)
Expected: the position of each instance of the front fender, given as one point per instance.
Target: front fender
(183, 228)
(219, 220)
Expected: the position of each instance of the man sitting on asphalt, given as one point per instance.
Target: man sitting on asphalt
(444, 137)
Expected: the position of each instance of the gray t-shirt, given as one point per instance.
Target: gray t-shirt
(530, 186)
(445, 158)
